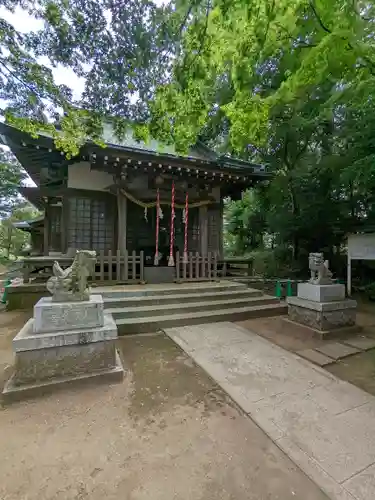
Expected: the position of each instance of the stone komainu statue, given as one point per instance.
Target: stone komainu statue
(320, 274)
(71, 284)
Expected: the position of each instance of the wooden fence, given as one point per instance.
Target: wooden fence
(196, 267)
(233, 268)
(120, 268)
(110, 267)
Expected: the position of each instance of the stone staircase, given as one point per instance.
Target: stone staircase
(151, 308)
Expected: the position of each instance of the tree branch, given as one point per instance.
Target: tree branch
(203, 38)
(318, 18)
(16, 77)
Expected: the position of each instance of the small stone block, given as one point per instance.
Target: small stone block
(315, 357)
(364, 343)
(321, 293)
(336, 351)
(51, 316)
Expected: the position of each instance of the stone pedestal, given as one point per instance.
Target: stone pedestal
(50, 316)
(65, 342)
(321, 293)
(324, 309)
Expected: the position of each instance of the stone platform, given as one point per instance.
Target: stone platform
(65, 342)
(323, 309)
(13, 392)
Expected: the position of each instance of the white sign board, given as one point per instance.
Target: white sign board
(361, 246)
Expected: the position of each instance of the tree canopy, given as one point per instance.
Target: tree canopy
(289, 83)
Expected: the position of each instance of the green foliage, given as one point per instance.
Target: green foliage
(274, 262)
(11, 177)
(122, 52)
(291, 84)
(13, 241)
(244, 224)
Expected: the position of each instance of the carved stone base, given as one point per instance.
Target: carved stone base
(79, 350)
(53, 316)
(322, 316)
(43, 356)
(308, 331)
(13, 392)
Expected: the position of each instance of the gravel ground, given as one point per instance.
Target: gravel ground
(167, 432)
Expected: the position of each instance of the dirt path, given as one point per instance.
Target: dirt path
(167, 432)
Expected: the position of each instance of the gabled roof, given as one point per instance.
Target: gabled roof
(29, 225)
(35, 154)
(198, 151)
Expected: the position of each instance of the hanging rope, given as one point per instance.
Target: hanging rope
(185, 257)
(171, 244)
(156, 259)
(153, 203)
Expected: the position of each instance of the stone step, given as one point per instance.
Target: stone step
(173, 289)
(150, 324)
(154, 300)
(182, 307)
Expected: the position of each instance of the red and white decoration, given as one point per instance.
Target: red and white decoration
(186, 221)
(156, 258)
(171, 245)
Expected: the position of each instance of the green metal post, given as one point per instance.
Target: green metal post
(5, 293)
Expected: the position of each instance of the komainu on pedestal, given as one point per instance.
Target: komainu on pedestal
(69, 339)
(321, 304)
(71, 284)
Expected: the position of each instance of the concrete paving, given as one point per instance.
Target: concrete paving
(336, 351)
(325, 425)
(315, 357)
(363, 343)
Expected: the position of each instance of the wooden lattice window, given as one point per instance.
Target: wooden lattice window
(194, 231)
(90, 225)
(54, 215)
(213, 237)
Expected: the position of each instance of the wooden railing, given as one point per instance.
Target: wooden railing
(235, 267)
(196, 267)
(117, 267)
(110, 267)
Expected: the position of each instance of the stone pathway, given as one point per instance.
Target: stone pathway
(330, 352)
(325, 425)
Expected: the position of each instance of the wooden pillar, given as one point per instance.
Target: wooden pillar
(121, 222)
(203, 230)
(63, 224)
(221, 229)
(46, 228)
(349, 279)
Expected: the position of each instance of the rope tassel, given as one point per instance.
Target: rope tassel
(186, 221)
(171, 259)
(158, 210)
